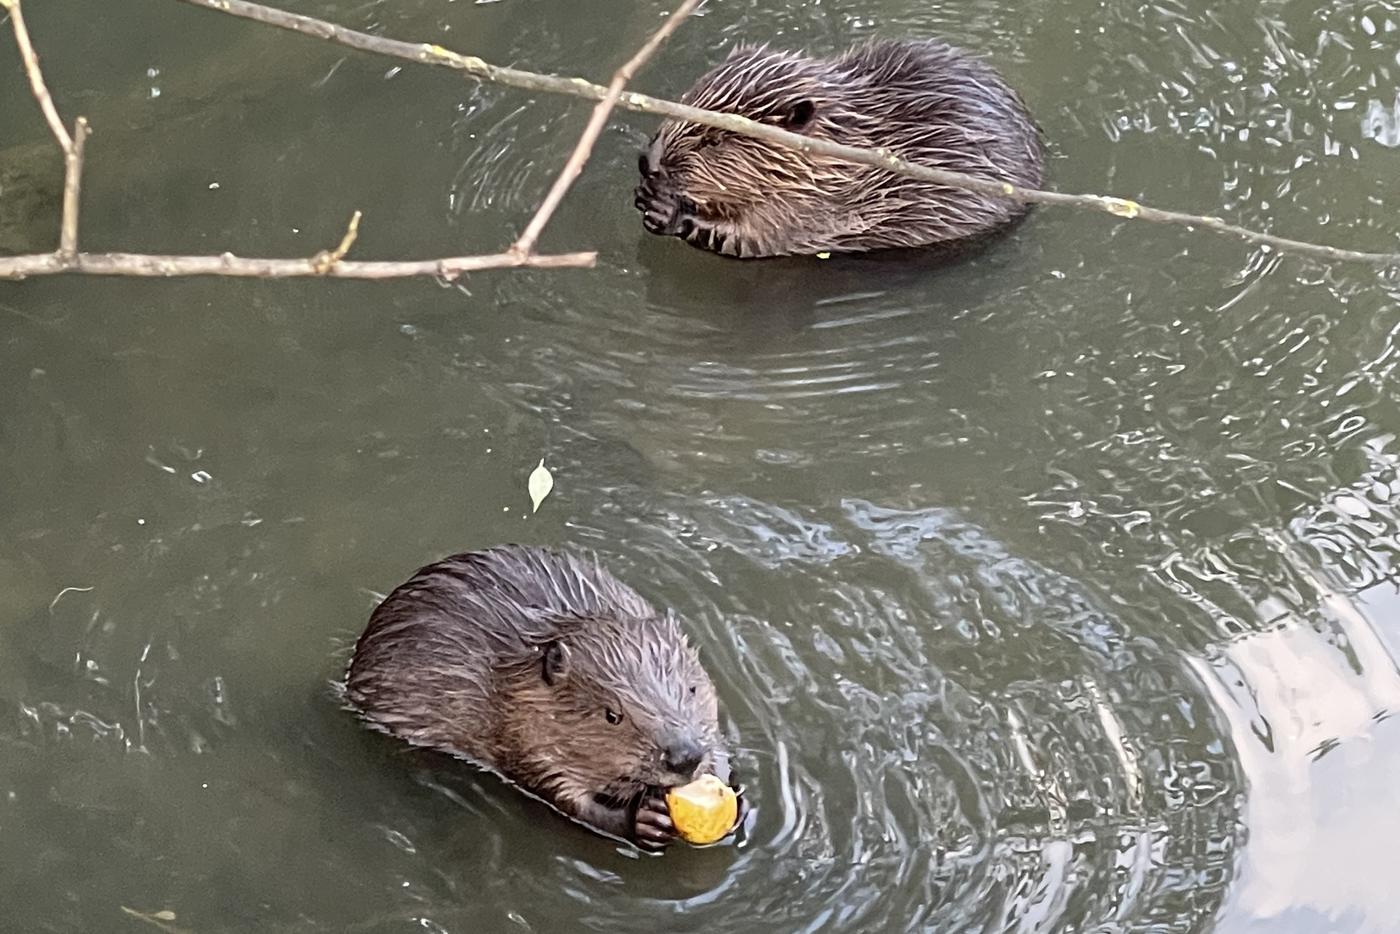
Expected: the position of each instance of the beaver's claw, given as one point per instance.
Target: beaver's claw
(743, 810)
(653, 829)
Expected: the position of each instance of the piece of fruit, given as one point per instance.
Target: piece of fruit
(703, 811)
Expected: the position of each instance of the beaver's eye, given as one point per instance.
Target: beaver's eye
(798, 115)
(612, 715)
(708, 140)
(692, 689)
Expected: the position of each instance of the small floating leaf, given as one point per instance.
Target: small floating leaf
(1122, 207)
(163, 919)
(540, 483)
(823, 256)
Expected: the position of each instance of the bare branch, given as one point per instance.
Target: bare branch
(325, 264)
(331, 264)
(72, 146)
(147, 264)
(72, 188)
(429, 54)
(596, 122)
(36, 77)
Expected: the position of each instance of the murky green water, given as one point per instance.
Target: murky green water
(1055, 591)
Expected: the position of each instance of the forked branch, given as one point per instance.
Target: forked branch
(429, 54)
(332, 264)
(596, 122)
(327, 263)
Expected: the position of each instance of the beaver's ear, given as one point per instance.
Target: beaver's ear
(556, 663)
(798, 115)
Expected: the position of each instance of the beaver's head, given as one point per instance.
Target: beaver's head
(609, 707)
(741, 196)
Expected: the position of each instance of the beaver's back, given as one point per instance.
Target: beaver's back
(937, 104)
(425, 667)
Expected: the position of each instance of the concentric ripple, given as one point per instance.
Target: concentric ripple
(895, 789)
(1050, 590)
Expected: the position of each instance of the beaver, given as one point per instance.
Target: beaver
(549, 671)
(923, 100)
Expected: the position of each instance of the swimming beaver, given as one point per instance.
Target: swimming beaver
(923, 100)
(550, 672)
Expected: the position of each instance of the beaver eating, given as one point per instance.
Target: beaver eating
(547, 670)
(923, 100)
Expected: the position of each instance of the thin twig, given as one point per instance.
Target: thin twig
(352, 231)
(599, 119)
(325, 259)
(161, 266)
(72, 188)
(429, 54)
(36, 77)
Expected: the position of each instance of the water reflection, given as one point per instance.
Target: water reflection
(1049, 590)
(1309, 691)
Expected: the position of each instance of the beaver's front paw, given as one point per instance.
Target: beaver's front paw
(653, 829)
(743, 810)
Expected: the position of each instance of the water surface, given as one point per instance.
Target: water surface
(1052, 591)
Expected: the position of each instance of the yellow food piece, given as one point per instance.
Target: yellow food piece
(703, 811)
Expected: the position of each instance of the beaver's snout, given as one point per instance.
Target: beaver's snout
(682, 756)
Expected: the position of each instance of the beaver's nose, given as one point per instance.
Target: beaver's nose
(683, 756)
(649, 160)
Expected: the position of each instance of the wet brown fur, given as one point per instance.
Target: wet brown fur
(923, 100)
(518, 659)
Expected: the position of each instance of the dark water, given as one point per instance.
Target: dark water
(1053, 591)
